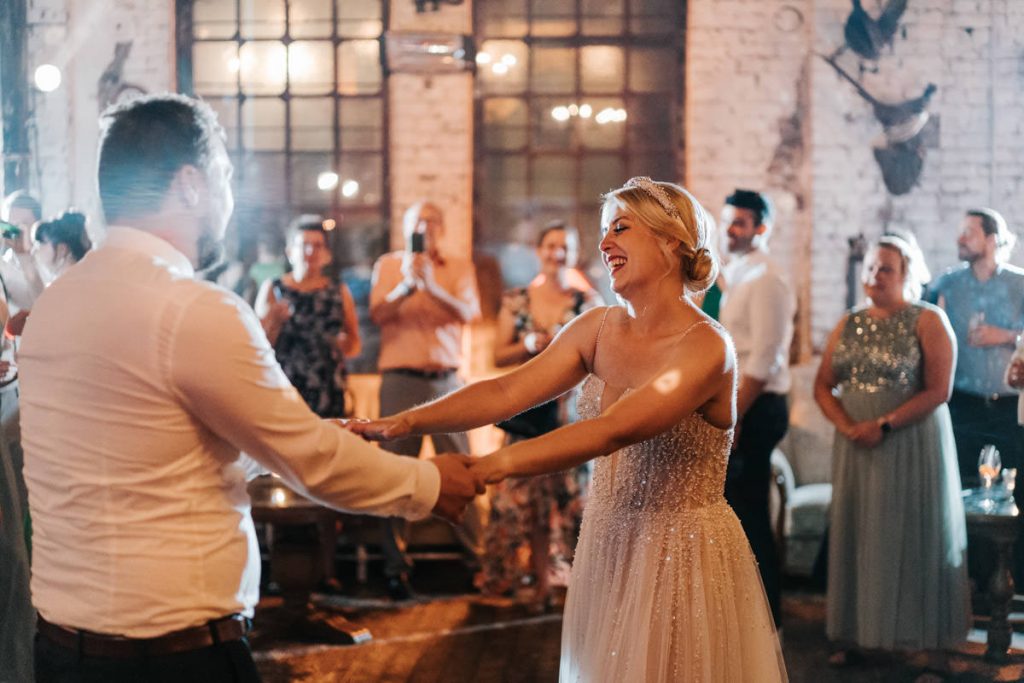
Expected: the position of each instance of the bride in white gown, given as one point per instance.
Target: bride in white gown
(664, 586)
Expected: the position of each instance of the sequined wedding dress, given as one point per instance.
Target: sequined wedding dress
(664, 586)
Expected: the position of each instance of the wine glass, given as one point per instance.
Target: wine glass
(989, 465)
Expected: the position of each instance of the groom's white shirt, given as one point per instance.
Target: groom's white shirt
(140, 388)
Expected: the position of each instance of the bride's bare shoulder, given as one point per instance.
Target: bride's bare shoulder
(712, 341)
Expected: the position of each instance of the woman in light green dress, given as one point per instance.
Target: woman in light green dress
(897, 557)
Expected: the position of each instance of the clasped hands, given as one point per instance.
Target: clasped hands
(463, 477)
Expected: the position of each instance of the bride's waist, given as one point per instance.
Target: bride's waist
(710, 506)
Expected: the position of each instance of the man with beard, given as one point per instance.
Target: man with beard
(141, 388)
(984, 299)
(757, 309)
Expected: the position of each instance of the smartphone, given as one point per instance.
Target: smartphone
(9, 230)
(417, 245)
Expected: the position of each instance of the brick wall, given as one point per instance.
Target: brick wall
(80, 37)
(431, 131)
(969, 48)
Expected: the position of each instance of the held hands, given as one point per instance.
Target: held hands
(490, 469)
(867, 433)
(459, 485)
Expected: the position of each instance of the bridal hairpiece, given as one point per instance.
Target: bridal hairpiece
(655, 192)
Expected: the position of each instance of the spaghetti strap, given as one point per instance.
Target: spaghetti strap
(692, 327)
(597, 337)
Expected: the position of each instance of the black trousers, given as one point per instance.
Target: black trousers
(747, 485)
(978, 421)
(222, 663)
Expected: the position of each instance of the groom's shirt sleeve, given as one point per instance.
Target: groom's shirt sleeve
(225, 373)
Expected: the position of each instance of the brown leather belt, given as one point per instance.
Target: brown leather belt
(88, 644)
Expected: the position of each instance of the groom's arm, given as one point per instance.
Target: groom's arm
(226, 375)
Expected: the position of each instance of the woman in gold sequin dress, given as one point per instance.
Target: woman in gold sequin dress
(664, 586)
(897, 572)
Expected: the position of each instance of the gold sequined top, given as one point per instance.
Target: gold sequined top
(879, 354)
(680, 469)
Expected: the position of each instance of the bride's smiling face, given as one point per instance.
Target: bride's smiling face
(631, 252)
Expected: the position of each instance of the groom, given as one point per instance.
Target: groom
(141, 386)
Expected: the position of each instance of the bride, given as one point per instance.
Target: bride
(664, 586)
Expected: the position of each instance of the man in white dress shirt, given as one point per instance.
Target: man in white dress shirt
(141, 386)
(757, 308)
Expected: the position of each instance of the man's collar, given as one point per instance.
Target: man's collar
(162, 251)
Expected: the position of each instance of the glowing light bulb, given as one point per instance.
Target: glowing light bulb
(585, 111)
(327, 181)
(349, 188)
(483, 58)
(499, 68)
(560, 113)
(47, 77)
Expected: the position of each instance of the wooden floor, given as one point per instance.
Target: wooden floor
(463, 637)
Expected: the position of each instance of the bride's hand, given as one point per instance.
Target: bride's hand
(384, 429)
(490, 469)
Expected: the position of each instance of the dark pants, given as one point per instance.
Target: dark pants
(747, 485)
(399, 391)
(222, 663)
(978, 421)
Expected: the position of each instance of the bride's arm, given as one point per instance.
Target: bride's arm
(691, 379)
(551, 373)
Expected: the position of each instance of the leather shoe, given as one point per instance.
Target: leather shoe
(399, 588)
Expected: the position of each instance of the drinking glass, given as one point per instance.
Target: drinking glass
(989, 465)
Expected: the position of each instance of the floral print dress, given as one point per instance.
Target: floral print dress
(553, 502)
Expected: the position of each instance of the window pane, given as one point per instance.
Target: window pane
(214, 19)
(553, 70)
(501, 66)
(653, 70)
(310, 67)
(552, 130)
(603, 68)
(359, 71)
(306, 196)
(360, 18)
(660, 166)
(227, 116)
(601, 17)
(263, 68)
(261, 186)
(600, 173)
(309, 18)
(554, 181)
(263, 124)
(606, 128)
(362, 124)
(505, 123)
(650, 123)
(503, 194)
(215, 68)
(312, 123)
(362, 179)
(553, 17)
(505, 18)
(654, 17)
(261, 18)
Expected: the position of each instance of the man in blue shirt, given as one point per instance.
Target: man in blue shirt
(984, 299)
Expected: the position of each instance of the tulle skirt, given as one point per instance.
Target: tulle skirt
(667, 596)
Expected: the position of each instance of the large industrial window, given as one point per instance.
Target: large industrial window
(573, 97)
(299, 88)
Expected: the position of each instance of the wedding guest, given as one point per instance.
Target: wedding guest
(757, 308)
(421, 299)
(897, 571)
(534, 522)
(984, 299)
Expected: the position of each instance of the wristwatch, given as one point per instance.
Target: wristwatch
(884, 425)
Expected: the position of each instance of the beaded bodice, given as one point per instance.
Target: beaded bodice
(682, 468)
(879, 354)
